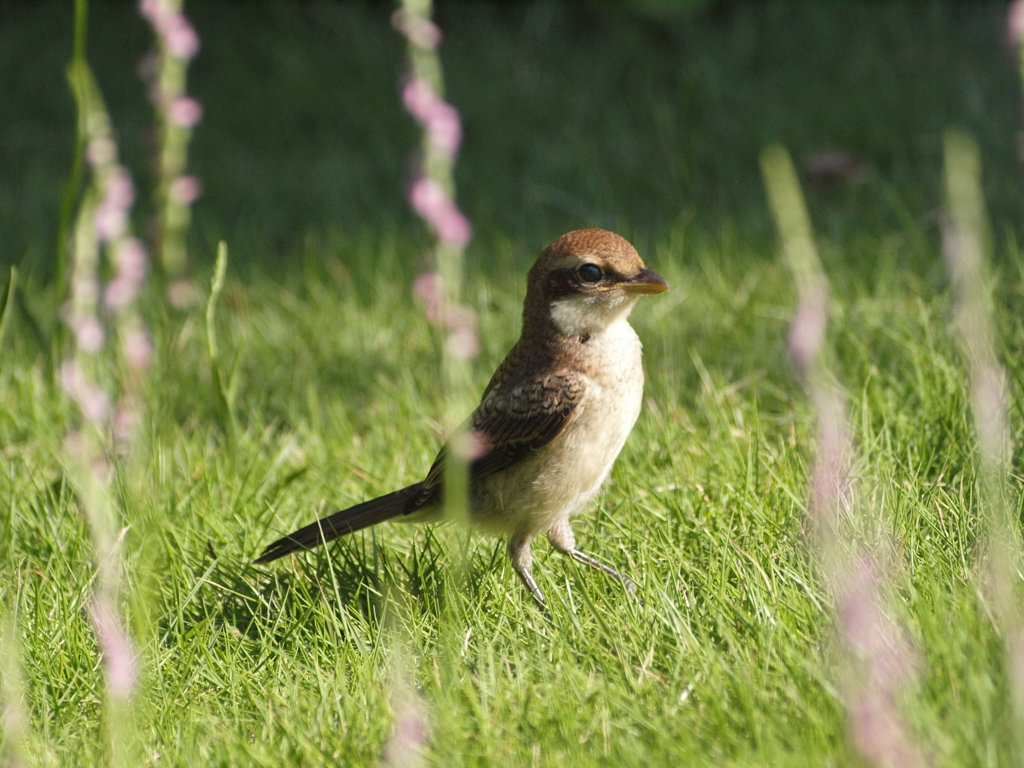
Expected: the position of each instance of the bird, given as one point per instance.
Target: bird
(551, 421)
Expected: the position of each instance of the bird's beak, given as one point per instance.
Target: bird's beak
(644, 282)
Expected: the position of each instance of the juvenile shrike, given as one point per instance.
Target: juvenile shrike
(553, 418)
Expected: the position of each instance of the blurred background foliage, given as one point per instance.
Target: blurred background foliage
(645, 118)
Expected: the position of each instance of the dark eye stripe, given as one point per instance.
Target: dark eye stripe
(562, 283)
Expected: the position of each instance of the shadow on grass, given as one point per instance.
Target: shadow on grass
(345, 583)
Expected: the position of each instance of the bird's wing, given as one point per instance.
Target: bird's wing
(512, 421)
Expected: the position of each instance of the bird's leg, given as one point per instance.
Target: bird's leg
(519, 554)
(564, 540)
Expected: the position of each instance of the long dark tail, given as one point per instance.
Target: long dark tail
(349, 520)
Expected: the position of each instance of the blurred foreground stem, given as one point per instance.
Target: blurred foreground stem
(965, 240)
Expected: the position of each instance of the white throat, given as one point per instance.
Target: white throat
(579, 315)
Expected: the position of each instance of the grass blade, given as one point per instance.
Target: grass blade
(221, 382)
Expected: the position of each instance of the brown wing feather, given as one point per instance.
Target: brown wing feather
(516, 416)
(512, 421)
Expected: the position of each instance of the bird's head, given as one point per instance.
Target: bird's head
(586, 280)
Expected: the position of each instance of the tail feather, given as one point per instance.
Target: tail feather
(340, 523)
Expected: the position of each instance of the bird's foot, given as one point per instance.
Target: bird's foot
(593, 562)
(538, 597)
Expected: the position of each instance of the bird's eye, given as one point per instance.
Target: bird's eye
(589, 273)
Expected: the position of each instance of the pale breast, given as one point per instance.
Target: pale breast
(558, 480)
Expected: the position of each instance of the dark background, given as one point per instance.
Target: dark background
(644, 118)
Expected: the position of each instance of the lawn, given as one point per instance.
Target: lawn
(646, 119)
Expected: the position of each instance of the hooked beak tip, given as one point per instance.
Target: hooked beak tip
(645, 282)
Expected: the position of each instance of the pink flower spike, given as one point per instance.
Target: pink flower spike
(94, 404)
(185, 112)
(419, 98)
(181, 40)
(478, 444)
(117, 650)
(131, 260)
(153, 10)
(439, 117)
(444, 127)
(463, 343)
(405, 746)
(808, 330)
(453, 228)
(430, 202)
(185, 190)
(88, 334)
(88, 288)
(112, 213)
(427, 197)
(120, 190)
(1015, 22)
(101, 151)
(118, 293)
(181, 294)
(110, 221)
(138, 349)
(124, 426)
(423, 33)
(68, 376)
(427, 289)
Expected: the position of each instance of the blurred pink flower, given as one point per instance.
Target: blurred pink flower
(137, 348)
(827, 167)
(88, 333)
(404, 748)
(479, 444)
(872, 635)
(131, 260)
(179, 37)
(120, 190)
(153, 10)
(808, 330)
(94, 404)
(181, 294)
(419, 98)
(112, 213)
(118, 293)
(441, 119)
(92, 400)
(1016, 649)
(440, 212)
(117, 650)
(879, 734)
(444, 128)
(74, 441)
(110, 221)
(101, 151)
(125, 422)
(131, 272)
(1015, 22)
(427, 288)
(177, 34)
(185, 111)
(423, 33)
(86, 288)
(185, 190)
(463, 343)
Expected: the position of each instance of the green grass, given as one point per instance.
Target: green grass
(726, 656)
